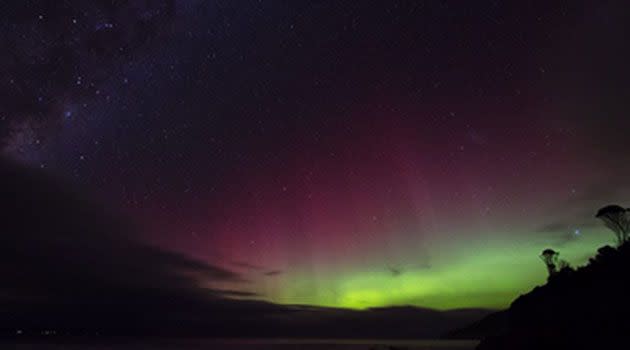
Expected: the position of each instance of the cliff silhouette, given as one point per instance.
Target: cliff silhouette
(576, 309)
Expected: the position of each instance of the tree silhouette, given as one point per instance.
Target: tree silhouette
(617, 219)
(550, 258)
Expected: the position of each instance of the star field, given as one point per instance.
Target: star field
(333, 154)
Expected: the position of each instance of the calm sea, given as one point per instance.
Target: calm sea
(264, 344)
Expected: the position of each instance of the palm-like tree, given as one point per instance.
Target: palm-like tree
(550, 258)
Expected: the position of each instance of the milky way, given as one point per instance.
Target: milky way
(333, 154)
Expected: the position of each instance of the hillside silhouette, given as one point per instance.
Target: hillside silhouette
(575, 309)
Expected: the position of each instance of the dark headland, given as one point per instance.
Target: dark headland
(578, 308)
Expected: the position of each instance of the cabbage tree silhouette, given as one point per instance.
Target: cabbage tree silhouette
(617, 219)
(550, 258)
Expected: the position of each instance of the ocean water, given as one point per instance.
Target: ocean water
(264, 344)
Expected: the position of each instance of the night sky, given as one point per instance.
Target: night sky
(338, 154)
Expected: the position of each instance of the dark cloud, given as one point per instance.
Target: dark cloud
(235, 293)
(394, 271)
(67, 259)
(58, 243)
(574, 216)
(73, 267)
(558, 233)
(245, 265)
(555, 227)
(273, 273)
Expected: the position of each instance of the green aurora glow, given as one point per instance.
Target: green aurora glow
(482, 274)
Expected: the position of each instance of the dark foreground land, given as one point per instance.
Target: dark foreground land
(576, 309)
(252, 344)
